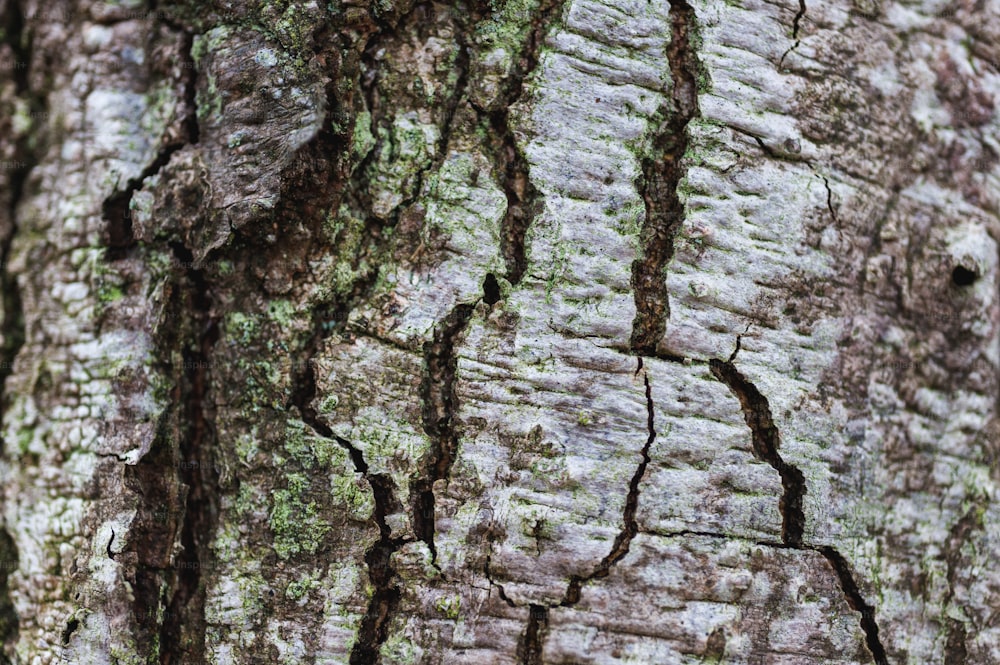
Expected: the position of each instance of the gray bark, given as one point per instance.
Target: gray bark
(528, 331)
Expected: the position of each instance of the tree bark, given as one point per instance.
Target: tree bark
(520, 331)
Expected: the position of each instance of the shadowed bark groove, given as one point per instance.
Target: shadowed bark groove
(182, 504)
(766, 441)
(440, 404)
(523, 199)
(529, 650)
(374, 627)
(631, 527)
(182, 636)
(12, 27)
(857, 602)
(499, 587)
(661, 175)
(375, 623)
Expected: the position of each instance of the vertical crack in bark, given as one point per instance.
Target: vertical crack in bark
(857, 602)
(18, 38)
(440, 406)
(829, 198)
(529, 649)
(374, 628)
(182, 634)
(630, 525)
(524, 201)
(795, 32)
(766, 441)
(182, 505)
(661, 175)
(487, 570)
(13, 332)
(382, 606)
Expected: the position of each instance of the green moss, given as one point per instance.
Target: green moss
(296, 445)
(249, 500)
(508, 25)
(398, 650)
(240, 327)
(362, 141)
(109, 293)
(295, 521)
(299, 588)
(450, 606)
(24, 437)
(208, 100)
(356, 496)
(281, 311)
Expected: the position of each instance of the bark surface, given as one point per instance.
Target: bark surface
(506, 331)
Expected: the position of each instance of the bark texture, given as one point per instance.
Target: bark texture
(500, 331)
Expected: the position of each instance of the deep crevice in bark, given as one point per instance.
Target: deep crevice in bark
(857, 602)
(13, 330)
(529, 649)
(955, 650)
(766, 441)
(630, 526)
(829, 198)
(8, 615)
(524, 201)
(19, 40)
(499, 587)
(182, 635)
(661, 174)
(440, 405)
(374, 627)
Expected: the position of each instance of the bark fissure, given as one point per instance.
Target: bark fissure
(795, 32)
(499, 587)
(662, 172)
(766, 440)
(524, 201)
(530, 647)
(374, 628)
(829, 198)
(182, 635)
(182, 505)
(630, 525)
(857, 602)
(18, 38)
(439, 409)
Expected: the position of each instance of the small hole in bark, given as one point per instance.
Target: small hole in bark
(491, 290)
(71, 627)
(962, 276)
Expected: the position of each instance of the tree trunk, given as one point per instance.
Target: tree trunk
(520, 331)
